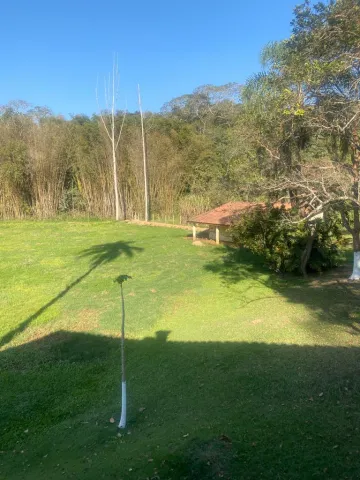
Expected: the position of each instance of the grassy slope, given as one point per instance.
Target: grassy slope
(241, 374)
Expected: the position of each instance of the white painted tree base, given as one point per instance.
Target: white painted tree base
(122, 423)
(356, 270)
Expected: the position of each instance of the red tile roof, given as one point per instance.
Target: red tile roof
(229, 212)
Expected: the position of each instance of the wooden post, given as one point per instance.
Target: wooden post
(194, 232)
(217, 235)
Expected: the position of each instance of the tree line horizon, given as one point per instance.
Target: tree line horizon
(290, 133)
(52, 165)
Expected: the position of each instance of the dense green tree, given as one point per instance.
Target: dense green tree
(305, 113)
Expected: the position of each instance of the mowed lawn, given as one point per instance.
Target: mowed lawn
(233, 372)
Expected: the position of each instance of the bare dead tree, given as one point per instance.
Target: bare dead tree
(146, 190)
(108, 120)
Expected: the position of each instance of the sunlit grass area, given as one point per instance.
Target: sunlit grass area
(233, 372)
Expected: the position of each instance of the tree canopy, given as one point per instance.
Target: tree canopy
(291, 132)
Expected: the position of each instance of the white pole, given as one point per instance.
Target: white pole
(122, 423)
(356, 267)
(217, 235)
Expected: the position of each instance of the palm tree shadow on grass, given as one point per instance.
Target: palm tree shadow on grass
(98, 255)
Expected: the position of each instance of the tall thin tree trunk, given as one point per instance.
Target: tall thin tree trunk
(146, 190)
(122, 423)
(356, 245)
(111, 92)
(307, 251)
(116, 188)
(356, 230)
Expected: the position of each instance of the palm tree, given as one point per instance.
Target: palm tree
(122, 424)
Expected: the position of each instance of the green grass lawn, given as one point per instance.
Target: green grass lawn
(233, 372)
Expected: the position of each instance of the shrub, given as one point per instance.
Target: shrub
(287, 246)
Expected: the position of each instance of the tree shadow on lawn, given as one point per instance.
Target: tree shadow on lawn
(199, 410)
(98, 255)
(333, 299)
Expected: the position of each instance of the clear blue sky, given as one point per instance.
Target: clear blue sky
(53, 51)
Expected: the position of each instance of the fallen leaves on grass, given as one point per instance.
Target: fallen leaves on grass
(225, 438)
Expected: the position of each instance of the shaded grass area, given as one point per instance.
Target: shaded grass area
(197, 410)
(233, 372)
(328, 297)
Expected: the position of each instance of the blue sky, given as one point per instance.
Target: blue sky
(53, 51)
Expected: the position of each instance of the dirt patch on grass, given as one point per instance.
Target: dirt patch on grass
(338, 280)
(159, 224)
(256, 321)
(86, 319)
(37, 333)
(198, 243)
(335, 276)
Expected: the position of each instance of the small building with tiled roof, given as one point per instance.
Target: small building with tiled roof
(221, 218)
